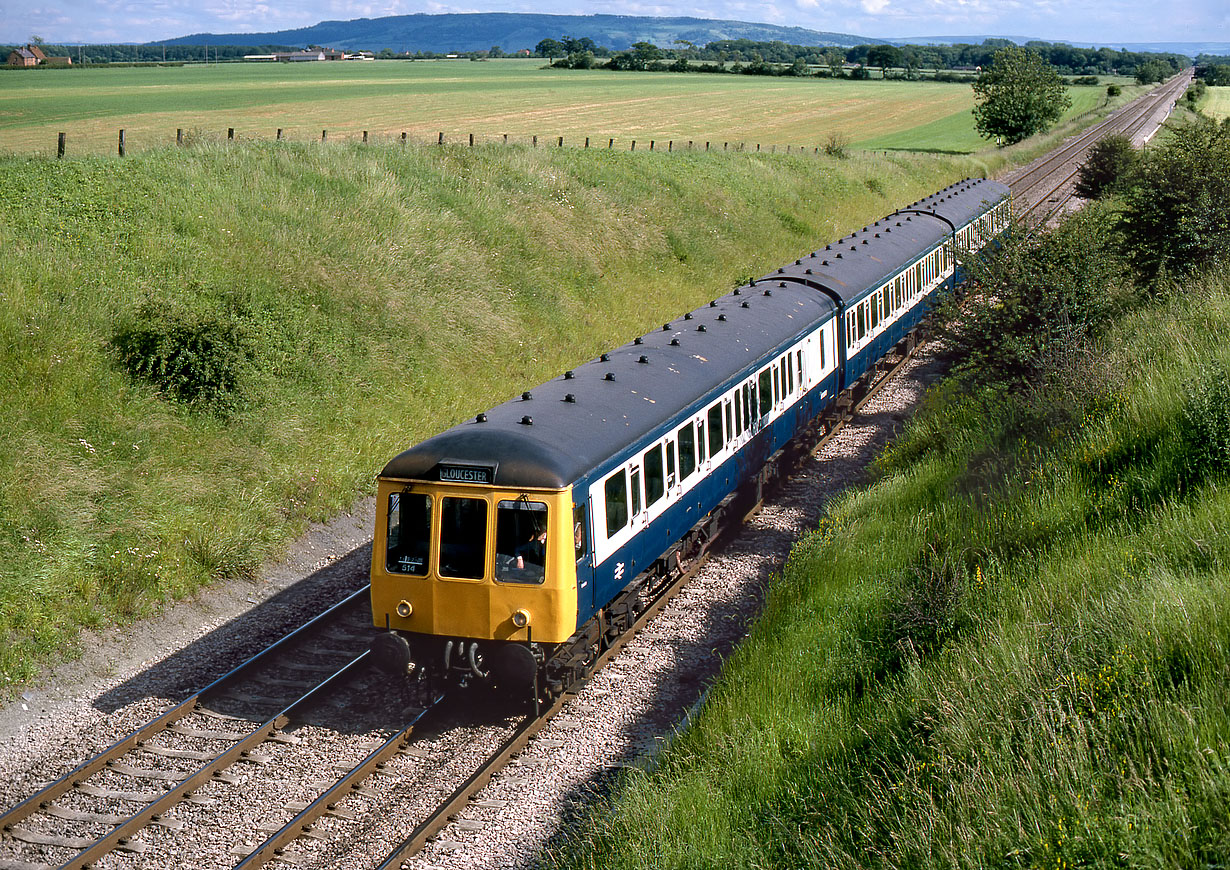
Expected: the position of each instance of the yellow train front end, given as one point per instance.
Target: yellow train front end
(472, 580)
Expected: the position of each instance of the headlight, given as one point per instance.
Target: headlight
(521, 618)
(404, 608)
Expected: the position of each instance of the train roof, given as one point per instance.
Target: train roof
(562, 430)
(865, 259)
(556, 433)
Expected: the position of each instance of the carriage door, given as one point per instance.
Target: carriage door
(582, 522)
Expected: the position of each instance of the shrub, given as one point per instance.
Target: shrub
(1110, 163)
(1113, 90)
(197, 358)
(1176, 217)
(1035, 301)
(1085, 80)
(836, 146)
(1205, 422)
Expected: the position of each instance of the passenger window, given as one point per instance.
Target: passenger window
(739, 410)
(408, 544)
(616, 503)
(862, 320)
(789, 375)
(715, 430)
(520, 541)
(777, 383)
(655, 476)
(730, 422)
(766, 392)
(700, 441)
(687, 451)
(463, 538)
(748, 405)
(636, 491)
(875, 311)
(670, 463)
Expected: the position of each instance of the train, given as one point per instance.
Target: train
(509, 549)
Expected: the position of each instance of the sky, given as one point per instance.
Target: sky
(1076, 21)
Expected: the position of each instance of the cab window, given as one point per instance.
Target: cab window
(463, 538)
(520, 541)
(409, 539)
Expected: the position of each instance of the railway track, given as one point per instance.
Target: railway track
(104, 804)
(1043, 189)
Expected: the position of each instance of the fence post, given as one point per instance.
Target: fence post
(724, 144)
(179, 135)
(364, 137)
(121, 143)
(586, 141)
(534, 141)
(471, 140)
(440, 139)
(403, 137)
(324, 134)
(610, 144)
(650, 144)
(230, 133)
(505, 138)
(689, 144)
(561, 141)
(279, 134)
(670, 145)
(633, 148)
(60, 145)
(706, 145)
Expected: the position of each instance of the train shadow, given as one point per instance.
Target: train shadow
(192, 667)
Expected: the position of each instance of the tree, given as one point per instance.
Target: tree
(1110, 162)
(550, 48)
(1020, 95)
(884, 56)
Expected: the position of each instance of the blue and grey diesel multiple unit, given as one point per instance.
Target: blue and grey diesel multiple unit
(510, 546)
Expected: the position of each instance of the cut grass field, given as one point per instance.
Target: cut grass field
(1216, 103)
(316, 310)
(489, 99)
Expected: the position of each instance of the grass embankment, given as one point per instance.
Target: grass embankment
(1216, 103)
(203, 349)
(1011, 649)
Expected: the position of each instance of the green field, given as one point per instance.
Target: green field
(489, 99)
(1216, 103)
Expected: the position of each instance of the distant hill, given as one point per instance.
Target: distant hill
(1189, 49)
(514, 31)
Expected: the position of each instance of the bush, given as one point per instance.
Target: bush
(197, 358)
(1085, 80)
(1113, 90)
(1034, 302)
(1109, 165)
(1176, 217)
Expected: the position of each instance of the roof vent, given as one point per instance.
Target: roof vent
(666, 327)
(781, 270)
(713, 303)
(781, 283)
(569, 375)
(481, 418)
(898, 223)
(738, 292)
(638, 340)
(768, 293)
(688, 316)
(527, 420)
(865, 241)
(824, 262)
(609, 376)
(828, 247)
(570, 399)
(674, 342)
(745, 304)
(807, 271)
(643, 359)
(798, 262)
(701, 328)
(606, 357)
(839, 255)
(721, 318)
(526, 396)
(854, 247)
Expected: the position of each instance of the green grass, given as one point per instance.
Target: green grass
(357, 299)
(1008, 652)
(489, 99)
(1216, 103)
